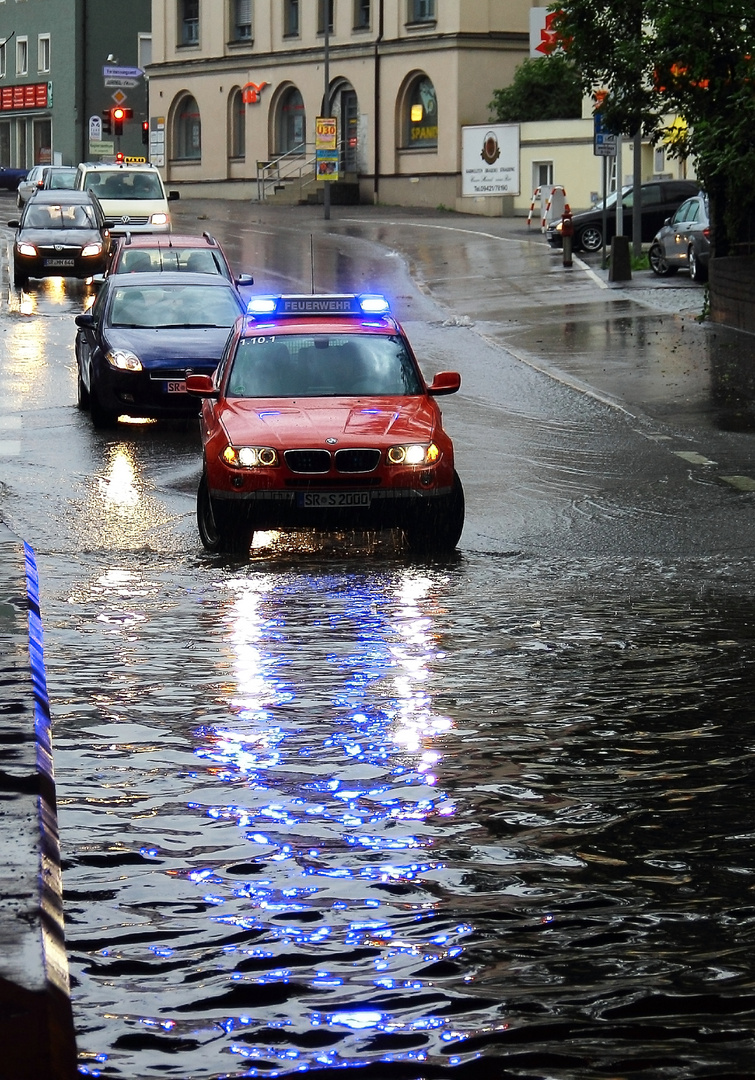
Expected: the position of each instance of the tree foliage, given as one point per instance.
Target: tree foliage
(547, 88)
(662, 59)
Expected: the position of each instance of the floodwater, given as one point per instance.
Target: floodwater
(487, 818)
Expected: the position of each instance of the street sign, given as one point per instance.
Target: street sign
(110, 72)
(95, 128)
(119, 97)
(604, 142)
(120, 80)
(326, 148)
(101, 149)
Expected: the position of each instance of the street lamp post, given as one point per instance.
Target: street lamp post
(326, 107)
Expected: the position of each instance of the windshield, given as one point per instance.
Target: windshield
(174, 306)
(121, 184)
(59, 217)
(327, 365)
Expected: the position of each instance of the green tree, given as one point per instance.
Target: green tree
(662, 59)
(547, 88)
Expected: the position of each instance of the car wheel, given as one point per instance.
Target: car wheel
(102, 418)
(658, 263)
(20, 279)
(590, 238)
(696, 269)
(82, 394)
(437, 530)
(217, 534)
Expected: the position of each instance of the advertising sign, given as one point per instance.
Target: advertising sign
(326, 148)
(490, 160)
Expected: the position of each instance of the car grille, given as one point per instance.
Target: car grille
(345, 461)
(116, 222)
(52, 251)
(357, 461)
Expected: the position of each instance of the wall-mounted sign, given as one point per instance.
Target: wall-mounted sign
(29, 96)
(490, 159)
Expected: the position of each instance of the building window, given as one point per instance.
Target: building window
(3, 60)
(421, 115)
(22, 56)
(542, 175)
(421, 11)
(144, 47)
(292, 123)
(238, 125)
(241, 20)
(188, 131)
(188, 22)
(43, 53)
(361, 14)
(291, 18)
(321, 16)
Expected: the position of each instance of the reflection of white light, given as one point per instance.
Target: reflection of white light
(357, 1020)
(120, 488)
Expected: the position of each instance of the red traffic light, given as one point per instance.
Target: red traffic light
(119, 114)
(119, 156)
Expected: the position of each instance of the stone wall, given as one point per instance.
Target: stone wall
(732, 292)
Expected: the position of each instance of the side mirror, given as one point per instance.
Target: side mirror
(245, 279)
(201, 386)
(445, 382)
(13, 224)
(85, 320)
(173, 195)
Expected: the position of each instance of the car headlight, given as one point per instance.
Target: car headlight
(250, 457)
(559, 226)
(91, 249)
(123, 360)
(159, 219)
(413, 454)
(26, 249)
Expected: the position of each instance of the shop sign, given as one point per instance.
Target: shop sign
(490, 160)
(28, 96)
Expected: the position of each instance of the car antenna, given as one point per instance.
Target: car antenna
(312, 261)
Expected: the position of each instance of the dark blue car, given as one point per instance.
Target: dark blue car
(144, 333)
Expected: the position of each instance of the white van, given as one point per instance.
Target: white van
(132, 196)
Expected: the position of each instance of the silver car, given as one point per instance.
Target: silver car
(684, 241)
(35, 178)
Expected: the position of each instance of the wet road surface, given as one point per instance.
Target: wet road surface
(328, 807)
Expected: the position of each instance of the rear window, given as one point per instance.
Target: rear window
(155, 260)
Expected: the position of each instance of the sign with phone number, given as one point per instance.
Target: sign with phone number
(30, 96)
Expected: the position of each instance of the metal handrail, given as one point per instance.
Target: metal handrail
(289, 166)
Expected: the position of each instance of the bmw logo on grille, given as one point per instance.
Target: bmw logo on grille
(331, 442)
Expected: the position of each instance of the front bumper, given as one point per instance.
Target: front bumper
(148, 393)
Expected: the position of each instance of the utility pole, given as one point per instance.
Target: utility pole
(326, 106)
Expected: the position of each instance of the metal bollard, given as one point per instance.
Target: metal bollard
(567, 236)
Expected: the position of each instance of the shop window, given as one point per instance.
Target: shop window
(188, 22)
(421, 11)
(321, 16)
(291, 18)
(187, 140)
(421, 115)
(241, 20)
(238, 126)
(291, 123)
(361, 14)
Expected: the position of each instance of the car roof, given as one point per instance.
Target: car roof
(167, 240)
(171, 277)
(91, 166)
(62, 195)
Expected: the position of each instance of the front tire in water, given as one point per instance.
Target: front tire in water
(436, 531)
(218, 535)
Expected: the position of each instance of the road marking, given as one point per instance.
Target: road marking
(741, 483)
(693, 458)
(10, 447)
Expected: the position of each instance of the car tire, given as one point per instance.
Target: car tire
(590, 238)
(658, 263)
(82, 394)
(436, 531)
(696, 269)
(217, 534)
(20, 279)
(102, 418)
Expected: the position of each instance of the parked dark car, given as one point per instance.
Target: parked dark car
(11, 178)
(660, 198)
(684, 241)
(141, 337)
(60, 234)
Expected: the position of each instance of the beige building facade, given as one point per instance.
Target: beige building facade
(235, 87)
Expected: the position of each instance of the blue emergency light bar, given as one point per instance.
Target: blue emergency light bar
(335, 304)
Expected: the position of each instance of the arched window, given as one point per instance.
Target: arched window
(238, 125)
(292, 122)
(420, 114)
(187, 131)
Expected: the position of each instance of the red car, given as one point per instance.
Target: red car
(318, 416)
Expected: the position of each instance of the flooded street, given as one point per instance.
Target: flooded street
(331, 808)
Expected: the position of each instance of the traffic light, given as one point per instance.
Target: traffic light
(145, 132)
(119, 115)
(107, 122)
